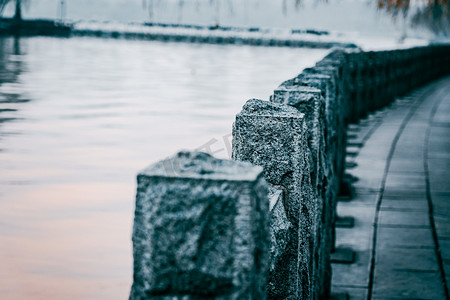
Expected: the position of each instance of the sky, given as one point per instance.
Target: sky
(336, 15)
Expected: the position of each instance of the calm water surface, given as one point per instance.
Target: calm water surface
(78, 119)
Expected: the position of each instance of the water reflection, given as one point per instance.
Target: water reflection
(101, 110)
(11, 66)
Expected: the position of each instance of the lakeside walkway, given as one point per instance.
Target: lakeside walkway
(399, 162)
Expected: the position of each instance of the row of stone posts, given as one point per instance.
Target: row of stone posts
(262, 225)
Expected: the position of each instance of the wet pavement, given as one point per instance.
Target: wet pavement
(399, 165)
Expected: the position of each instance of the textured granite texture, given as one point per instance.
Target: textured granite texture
(343, 112)
(334, 128)
(310, 101)
(274, 136)
(201, 230)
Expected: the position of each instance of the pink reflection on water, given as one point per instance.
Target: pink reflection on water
(72, 243)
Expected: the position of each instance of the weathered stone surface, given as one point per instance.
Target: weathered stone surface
(283, 262)
(336, 111)
(274, 137)
(268, 135)
(334, 155)
(333, 137)
(201, 230)
(310, 101)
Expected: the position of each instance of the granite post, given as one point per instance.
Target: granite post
(201, 230)
(274, 136)
(310, 102)
(333, 146)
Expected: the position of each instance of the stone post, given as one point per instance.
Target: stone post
(201, 230)
(336, 104)
(335, 133)
(310, 101)
(274, 137)
(335, 150)
(364, 86)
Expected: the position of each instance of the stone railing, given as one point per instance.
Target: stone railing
(215, 229)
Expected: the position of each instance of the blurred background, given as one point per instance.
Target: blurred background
(357, 16)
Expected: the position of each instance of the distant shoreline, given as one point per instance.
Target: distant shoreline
(38, 27)
(296, 38)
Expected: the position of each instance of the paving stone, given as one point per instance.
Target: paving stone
(339, 296)
(343, 255)
(404, 218)
(410, 285)
(393, 237)
(413, 132)
(440, 199)
(400, 204)
(345, 222)
(370, 178)
(444, 245)
(373, 154)
(437, 153)
(442, 211)
(406, 264)
(365, 192)
(355, 274)
(350, 164)
(354, 293)
(396, 298)
(354, 127)
(406, 172)
(446, 268)
(442, 112)
(357, 237)
(352, 150)
(402, 164)
(407, 259)
(439, 138)
(369, 163)
(442, 226)
(402, 194)
(437, 165)
(405, 181)
(440, 183)
(356, 201)
(415, 155)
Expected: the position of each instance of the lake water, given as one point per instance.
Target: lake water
(79, 118)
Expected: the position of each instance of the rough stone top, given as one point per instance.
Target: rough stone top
(313, 75)
(299, 89)
(303, 77)
(330, 62)
(313, 72)
(265, 108)
(324, 67)
(196, 165)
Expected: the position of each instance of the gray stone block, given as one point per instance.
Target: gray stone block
(201, 230)
(310, 101)
(334, 136)
(274, 136)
